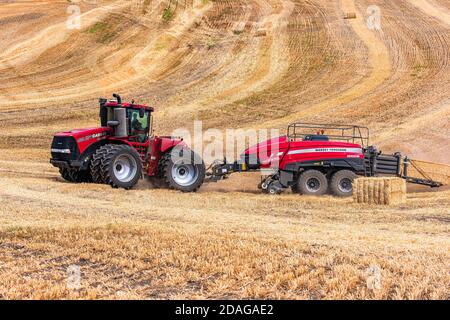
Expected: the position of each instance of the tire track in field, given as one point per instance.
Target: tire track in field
(380, 66)
(410, 115)
(18, 57)
(267, 62)
(319, 44)
(433, 10)
(141, 64)
(417, 137)
(51, 36)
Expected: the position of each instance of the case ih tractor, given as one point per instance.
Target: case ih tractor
(314, 159)
(122, 149)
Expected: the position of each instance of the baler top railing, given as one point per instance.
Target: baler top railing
(336, 132)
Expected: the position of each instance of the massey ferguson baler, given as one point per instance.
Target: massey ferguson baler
(314, 159)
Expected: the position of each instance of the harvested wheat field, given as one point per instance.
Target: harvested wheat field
(238, 64)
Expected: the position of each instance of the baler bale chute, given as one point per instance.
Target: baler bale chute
(426, 170)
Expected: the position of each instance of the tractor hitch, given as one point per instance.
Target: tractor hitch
(219, 169)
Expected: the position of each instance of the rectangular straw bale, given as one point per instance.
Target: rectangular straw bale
(381, 191)
(350, 15)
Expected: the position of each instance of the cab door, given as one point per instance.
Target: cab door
(139, 124)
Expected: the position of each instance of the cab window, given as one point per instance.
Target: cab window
(110, 114)
(139, 125)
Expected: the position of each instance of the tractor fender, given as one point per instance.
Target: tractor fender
(88, 152)
(158, 147)
(92, 148)
(168, 143)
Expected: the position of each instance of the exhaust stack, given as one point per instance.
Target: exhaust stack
(120, 119)
(120, 116)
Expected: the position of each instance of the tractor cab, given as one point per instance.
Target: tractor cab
(128, 120)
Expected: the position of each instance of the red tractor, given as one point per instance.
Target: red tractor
(314, 159)
(123, 148)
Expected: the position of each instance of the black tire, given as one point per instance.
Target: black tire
(82, 176)
(183, 159)
(66, 174)
(121, 166)
(74, 175)
(295, 188)
(341, 183)
(160, 182)
(312, 182)
(274, 189)
(95, 165)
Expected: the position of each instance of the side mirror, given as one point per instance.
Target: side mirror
(141, 113)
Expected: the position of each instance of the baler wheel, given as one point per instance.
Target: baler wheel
(121, 166)
(341, 183)
(312, 182)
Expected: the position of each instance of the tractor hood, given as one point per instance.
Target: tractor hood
(84, 132)
(86, 136)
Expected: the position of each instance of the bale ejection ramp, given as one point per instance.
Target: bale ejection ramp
(430, 171)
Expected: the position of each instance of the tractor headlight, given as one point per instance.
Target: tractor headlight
(66, 151)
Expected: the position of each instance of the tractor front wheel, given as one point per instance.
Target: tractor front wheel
(121, 166)
(75, 175)
(66, 174)
(96, 162)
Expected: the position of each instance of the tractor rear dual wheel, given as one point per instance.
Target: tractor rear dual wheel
(182, 169)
